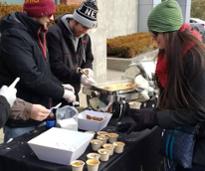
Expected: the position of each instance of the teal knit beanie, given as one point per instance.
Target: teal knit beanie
(165, 17)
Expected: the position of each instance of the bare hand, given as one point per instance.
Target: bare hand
(39, 112)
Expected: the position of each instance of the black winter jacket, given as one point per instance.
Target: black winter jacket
(21, 56)
(4, 111)
(172, 118)
(63, 58)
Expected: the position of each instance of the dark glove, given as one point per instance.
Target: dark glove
(125, 127)
(144, 118)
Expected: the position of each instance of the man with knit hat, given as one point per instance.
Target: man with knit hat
(69, 46)
(23, 51)
(180, 73)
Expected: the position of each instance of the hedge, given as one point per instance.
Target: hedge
(131, 45)
(61, 9)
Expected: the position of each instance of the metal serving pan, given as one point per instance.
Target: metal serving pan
(115, 86)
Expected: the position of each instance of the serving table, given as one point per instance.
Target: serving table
(141, 151)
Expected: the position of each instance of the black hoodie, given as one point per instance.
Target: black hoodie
(64, 59)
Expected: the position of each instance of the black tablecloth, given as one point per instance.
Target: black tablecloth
(141, 150)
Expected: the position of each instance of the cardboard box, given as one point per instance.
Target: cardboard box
(60, 146)
(90, 124)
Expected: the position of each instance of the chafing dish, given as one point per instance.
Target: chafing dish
(112, 96)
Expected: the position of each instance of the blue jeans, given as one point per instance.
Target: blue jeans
(15, 132)
(194, 168)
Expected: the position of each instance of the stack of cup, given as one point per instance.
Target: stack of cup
(109, 147)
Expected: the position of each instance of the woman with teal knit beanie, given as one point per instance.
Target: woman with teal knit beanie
(180, 73)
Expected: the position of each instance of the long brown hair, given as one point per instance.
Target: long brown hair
(183, 65)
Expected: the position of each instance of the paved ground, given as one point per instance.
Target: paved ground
(111, 75)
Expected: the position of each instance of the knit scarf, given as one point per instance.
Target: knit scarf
(161, 67)
(42, 41)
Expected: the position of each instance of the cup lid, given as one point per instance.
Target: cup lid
(93, 155)
(77, 163)
(119, 143)
(112, 134)
(92, 162)
(108, 146)
(103, 151)
(96, 141)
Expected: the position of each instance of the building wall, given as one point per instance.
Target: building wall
(115, 18)
(144, 8)
(186, 9)
(119, 16)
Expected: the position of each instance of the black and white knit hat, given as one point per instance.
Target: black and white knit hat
(87, 14)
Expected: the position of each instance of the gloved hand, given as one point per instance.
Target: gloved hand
(141, 82)
(9, 93)
(69, 96)
(125, 127)
(144, 118)
(69, 87)
(89, 72)
(144, 96)
(87, 81)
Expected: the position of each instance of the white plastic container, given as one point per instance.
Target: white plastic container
(93, 125)
(59, 145)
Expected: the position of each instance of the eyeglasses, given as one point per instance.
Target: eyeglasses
(155, 34)
(51, 16)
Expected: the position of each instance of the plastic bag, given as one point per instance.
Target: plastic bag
(66, 117)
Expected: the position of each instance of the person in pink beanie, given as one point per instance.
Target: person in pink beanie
(23, 51)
